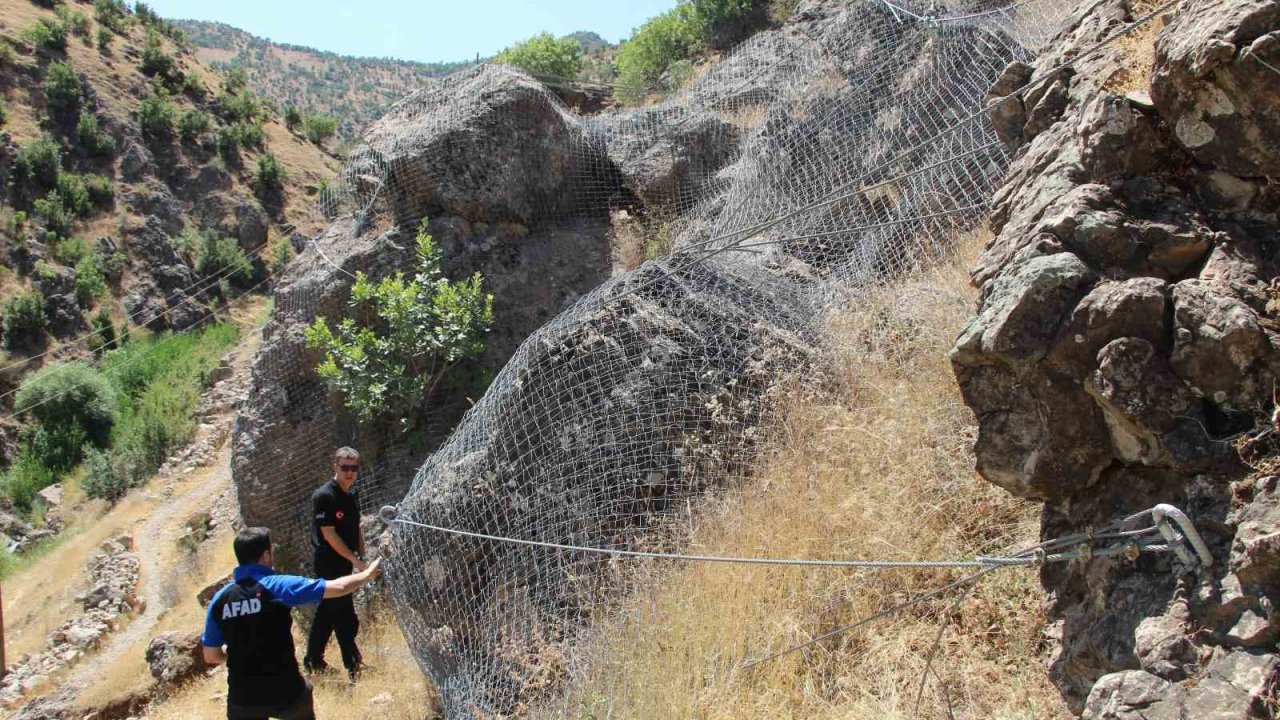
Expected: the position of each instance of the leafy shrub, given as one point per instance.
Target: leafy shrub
(4, 111)
(156, 116)
(192, 123)
(415, 331)
(102, 478)
(54, 214)
(74, 194)
(319, 128)
(105, 38)
(7, 56)
(103, 332)
(155, 62)
(92, 137)
(45, 34)
(26, 477)
(39, 161)
(112, 265)
(58, 449)
(74, 21)
(670, 37)
(292, 117)
(237, 135)
(279, 254)
(74, 395)
(235, 80)
(71, 250)
(271, 174)
(544, 55)
(62, 87)
(24, 317)
(111, 14)
(90, 284)
(194, 86)
(223, 256)
(101, 190)
(239, 107)
(145, 14)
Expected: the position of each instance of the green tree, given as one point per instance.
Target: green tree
(271, 174)
(71, 396)
(404, 337)
(319, 128)
(111, 14)
(92, 138)
(292, 117)
(39, 161)
(24, 318)
(223, 257)
(156, 115)
(544, 55)
(62, 87)
(46, 34)
(192, 123)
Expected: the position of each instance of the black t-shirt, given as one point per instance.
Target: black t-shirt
(341, 510)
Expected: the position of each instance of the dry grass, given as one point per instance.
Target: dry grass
(392, 689)
(1137, 52)
(879, 468)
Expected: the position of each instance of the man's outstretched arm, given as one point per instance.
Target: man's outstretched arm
(331, 536)
(348, 584)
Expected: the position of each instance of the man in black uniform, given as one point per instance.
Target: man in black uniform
(250, 618)
(336, 536)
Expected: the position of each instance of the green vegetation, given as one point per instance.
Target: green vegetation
(45, 34)
(239, 107)
(292, 117)
(156, 116)
(319, 128)
(193, 86)
(668, 38)
(271, 174)
(39, 161)
(101, 191)
(544, 55)
(235, 80)
(105, 38)
(155, 62)
(415, 332)
(222, 257)
(4, 111)
(112, 15)
(238, 135)
(70, 251)
(121, 419)
(68, 200)
(192, 123)
(62, 88)
(279, 254)
(74, 21)
(24, 318)
(90, 283)
(92, 138)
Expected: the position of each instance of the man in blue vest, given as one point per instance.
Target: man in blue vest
(249, 626)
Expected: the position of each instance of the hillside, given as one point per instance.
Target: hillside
(140, 193)
(355, 90)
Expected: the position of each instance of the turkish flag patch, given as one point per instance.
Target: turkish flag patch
(339, 515)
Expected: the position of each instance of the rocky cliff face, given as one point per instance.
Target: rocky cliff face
(1127, 343)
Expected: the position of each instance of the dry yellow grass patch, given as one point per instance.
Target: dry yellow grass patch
(1137, 52)
(877, 467)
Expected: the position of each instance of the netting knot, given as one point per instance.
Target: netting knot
(388, 514)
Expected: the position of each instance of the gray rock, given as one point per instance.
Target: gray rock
(1134, 695)
(1211, 88)
(175, 657)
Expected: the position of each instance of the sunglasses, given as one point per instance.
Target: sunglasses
(349, 468)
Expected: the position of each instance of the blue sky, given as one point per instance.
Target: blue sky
(425, 31)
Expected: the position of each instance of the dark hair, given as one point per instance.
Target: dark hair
(251, 543)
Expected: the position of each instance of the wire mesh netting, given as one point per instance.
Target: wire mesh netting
(845, 148)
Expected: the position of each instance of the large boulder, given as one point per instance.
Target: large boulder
(1217, 84)
(1127, 340)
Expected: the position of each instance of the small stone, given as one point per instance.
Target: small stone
(381, 699)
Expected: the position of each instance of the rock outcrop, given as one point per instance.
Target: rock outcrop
(1127, 340)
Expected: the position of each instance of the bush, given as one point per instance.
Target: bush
(45, 34)
(74, 395)
(74, 21)
(271, 174)
(39, 161)
(224, 257)
(92, 138)
(62, 87)
(237, 135)
(24, 479)
(111, 14)
(103, 336)
(101, 190)
(90, 284)
(112, 265)
(235, 80)
(239, 107)
(292, 117)
(54, 214)
(24, 317)
(279, 254)
(102, 479)
(192, 123)
(193, 86)
(7, 56)
(416, 330)
(105, 38)
(544, 55)
(319, 128)
(74, 194)
(155, 61)
(670, 37)
(4, 111)
(156, 116)
(71, 250)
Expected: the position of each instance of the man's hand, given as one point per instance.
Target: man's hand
(348, 584)
(372, 570)
(359, 565)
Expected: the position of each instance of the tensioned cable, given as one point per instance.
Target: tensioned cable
(989, 562)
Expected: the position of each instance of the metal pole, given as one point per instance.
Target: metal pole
(3, 667)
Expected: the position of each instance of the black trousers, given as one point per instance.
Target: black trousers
(335, 616)
(300, 708)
